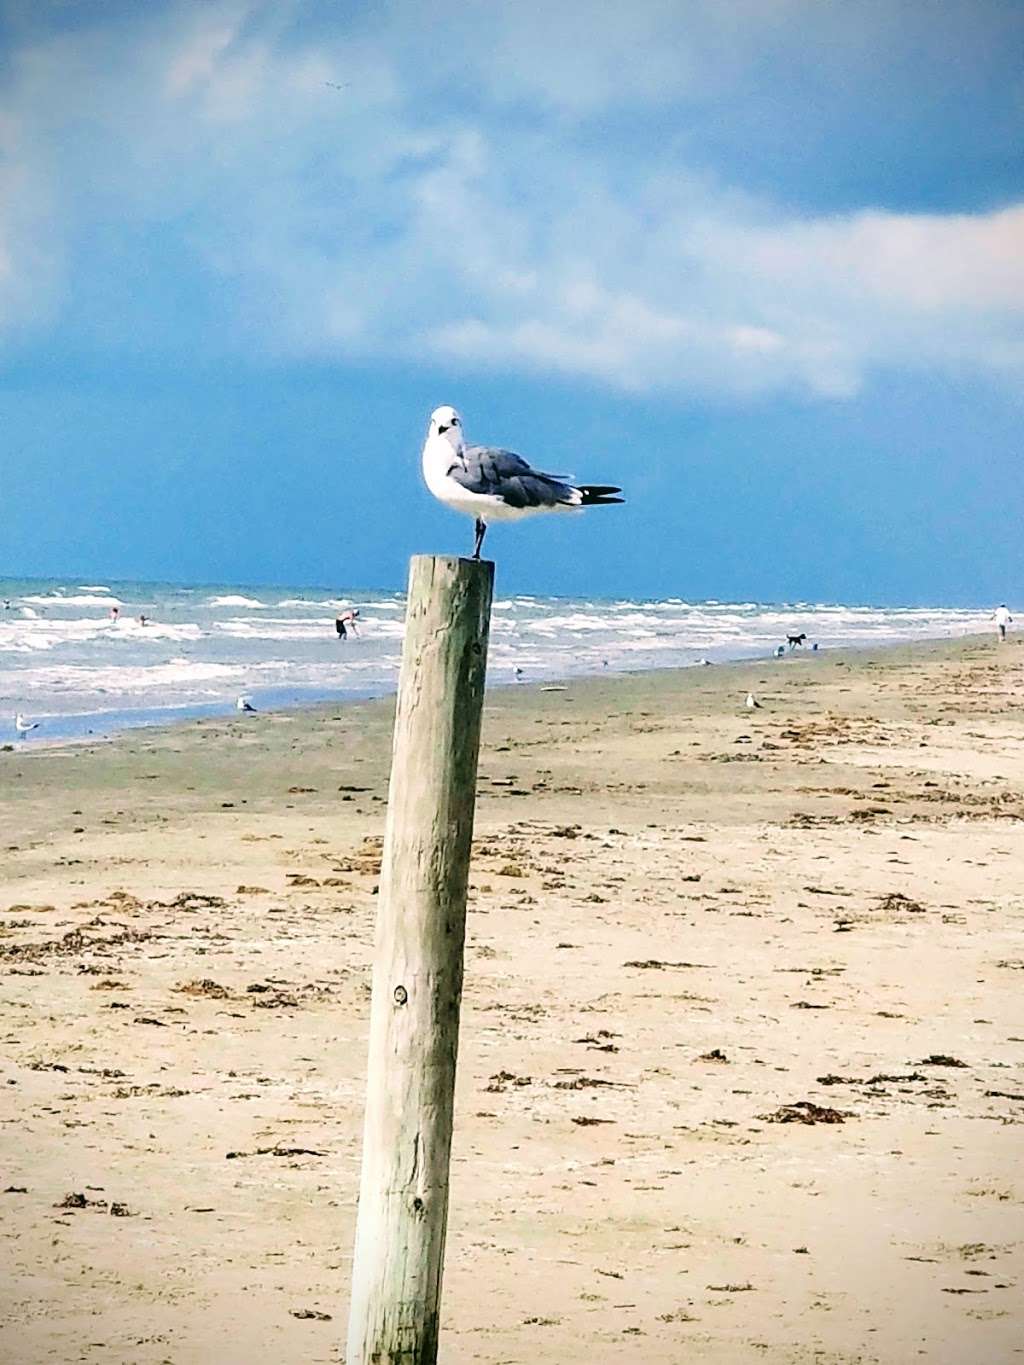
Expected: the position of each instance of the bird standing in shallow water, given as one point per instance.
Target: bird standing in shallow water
(23, 726)
(490, 484)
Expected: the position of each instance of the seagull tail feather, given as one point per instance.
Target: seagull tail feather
(599, 494)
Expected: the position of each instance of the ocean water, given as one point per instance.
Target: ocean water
(67, 664)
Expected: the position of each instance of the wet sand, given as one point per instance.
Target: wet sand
(742, 1067)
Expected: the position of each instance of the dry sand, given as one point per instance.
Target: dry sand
(689, 924)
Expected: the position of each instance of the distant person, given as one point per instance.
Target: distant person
(142, 619)
(346, 623)
(780, 651)
(115, 614)
(1002, 618)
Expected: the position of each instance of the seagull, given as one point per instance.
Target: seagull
(489, 484)
(752, 703)
(244, 704)
(23, 726)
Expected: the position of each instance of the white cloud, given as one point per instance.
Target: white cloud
(717, 294)
(329, 201)
(920, 262)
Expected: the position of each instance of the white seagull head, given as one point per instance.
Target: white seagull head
(446, 423)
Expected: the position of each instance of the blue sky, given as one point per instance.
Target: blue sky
(760, 261)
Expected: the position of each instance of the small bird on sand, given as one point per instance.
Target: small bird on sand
(752, 703)
(490, 484)
(24, 726)
(244, 704)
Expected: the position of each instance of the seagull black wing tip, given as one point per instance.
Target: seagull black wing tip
(599, 494)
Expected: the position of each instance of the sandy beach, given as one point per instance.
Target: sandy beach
(742, 1046)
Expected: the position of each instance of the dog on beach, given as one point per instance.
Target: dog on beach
(794, 640)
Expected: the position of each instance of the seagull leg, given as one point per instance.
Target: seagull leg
(481, 531)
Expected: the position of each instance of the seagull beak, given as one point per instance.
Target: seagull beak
(441, 430)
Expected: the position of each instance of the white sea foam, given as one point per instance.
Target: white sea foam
(236, 600)
(312, 603)
(50, 599)
(45, 633)
(309, 629)
(129, 628)
(269, 628)
(81, 677)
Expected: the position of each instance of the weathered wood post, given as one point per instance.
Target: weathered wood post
(417, 976)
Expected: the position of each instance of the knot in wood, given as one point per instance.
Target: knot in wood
(401, 995)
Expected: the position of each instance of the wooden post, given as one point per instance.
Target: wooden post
(417, 977)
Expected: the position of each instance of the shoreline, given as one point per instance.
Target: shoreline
(740, 1057)
(215, 711)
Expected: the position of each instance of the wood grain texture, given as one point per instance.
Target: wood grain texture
(417, 981)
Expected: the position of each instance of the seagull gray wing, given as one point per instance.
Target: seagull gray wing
(504, 474)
